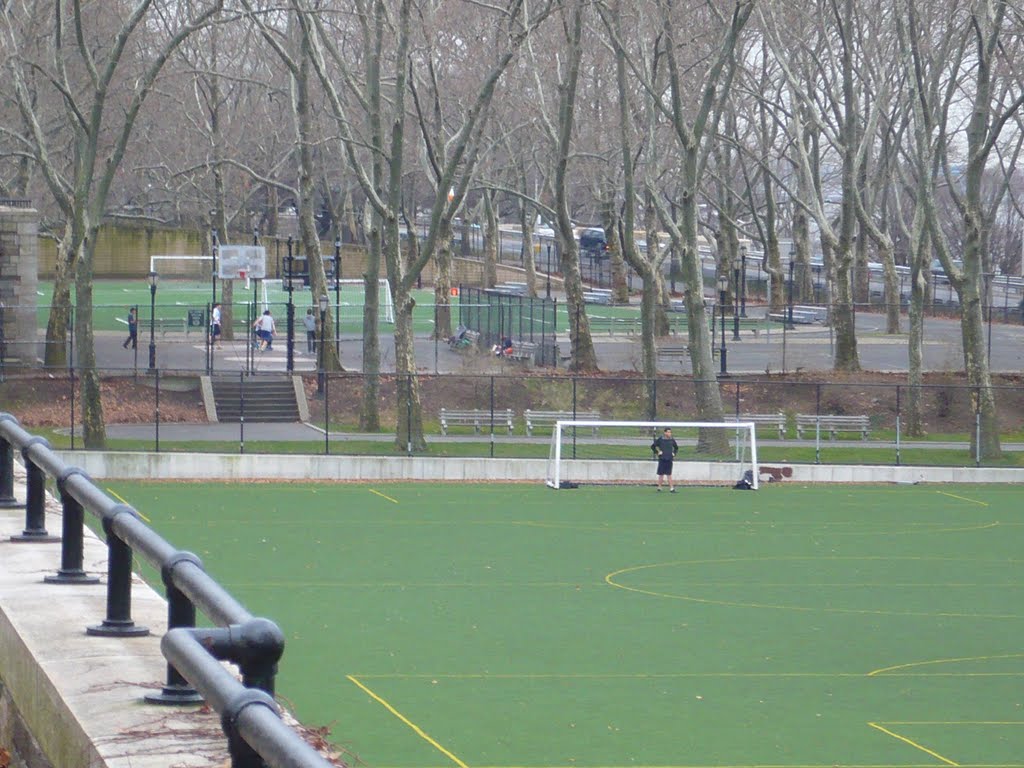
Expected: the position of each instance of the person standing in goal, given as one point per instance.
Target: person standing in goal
(665, 448)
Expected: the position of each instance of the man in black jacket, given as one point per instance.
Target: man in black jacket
(665, 448)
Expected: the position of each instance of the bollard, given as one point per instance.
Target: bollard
(118, 622)
(71, 571)
(35, 500)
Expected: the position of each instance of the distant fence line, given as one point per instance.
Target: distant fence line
(249, 715)
(493, 409)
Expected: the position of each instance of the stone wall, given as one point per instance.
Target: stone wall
(19, 279)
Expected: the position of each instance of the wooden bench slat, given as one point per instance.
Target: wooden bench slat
(833, 424)
(548, 418)
(476, 418)
(777, 420)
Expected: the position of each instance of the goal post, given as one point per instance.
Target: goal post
(346, 298)
(586, 452)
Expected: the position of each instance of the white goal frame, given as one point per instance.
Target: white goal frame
(553, 476)
(386, 309)
(154, 261)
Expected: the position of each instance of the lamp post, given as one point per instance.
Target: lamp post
(723, 295)
(743, 284)
(290, 314)
(789, 300)
(736, 301)
(337, 295)
(153, 277)
(214, 248)
(324, 301)
(549, 271)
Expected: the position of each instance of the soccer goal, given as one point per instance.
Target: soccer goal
(185, 268)
(619, 452)
(350, 298)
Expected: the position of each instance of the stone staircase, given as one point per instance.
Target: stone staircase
(267, 398)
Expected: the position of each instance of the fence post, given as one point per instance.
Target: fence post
(898, 425)
(118, 622)
(35, 499)
(7, 498)
(71, 571)
(180, 613)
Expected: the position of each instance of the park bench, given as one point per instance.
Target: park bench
(832, 424)
(522, 352)
(536, 419)
(470, 342)
(670, 353)
(598, 296)
(166, 325)
(475, 418)
(751, 324)
(613, 325)
(777, 420)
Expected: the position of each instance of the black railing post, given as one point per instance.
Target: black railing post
(73, 539)
(35, 498)
(118, 622)
(180, 613)
(7, 498)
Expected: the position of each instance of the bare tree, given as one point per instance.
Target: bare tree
(104, 46)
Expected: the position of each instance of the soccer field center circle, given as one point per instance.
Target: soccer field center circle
(784, 582)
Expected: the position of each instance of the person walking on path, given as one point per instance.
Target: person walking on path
(665, 448)
(310, 322)
(133, 328)
(215, 328)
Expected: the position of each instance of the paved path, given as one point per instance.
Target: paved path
(775, 351)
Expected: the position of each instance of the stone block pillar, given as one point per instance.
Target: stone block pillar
(19, 281)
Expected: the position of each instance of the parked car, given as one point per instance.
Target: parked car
(593, 241)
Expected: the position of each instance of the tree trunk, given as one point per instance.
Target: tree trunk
(94, 431)
(443, 282)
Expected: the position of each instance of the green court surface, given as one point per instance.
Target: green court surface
(174, 297)
(495, 625)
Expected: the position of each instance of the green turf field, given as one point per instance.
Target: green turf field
(174, 297)
(511, 625)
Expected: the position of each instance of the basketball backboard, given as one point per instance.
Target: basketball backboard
(241, 262)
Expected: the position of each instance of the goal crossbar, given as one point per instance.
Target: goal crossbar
(743, 451)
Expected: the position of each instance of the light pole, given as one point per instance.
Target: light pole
(549, 271)
(789, 300)
(324, 301)
(723, 295)
(153, 277)
(736, 301)
(290, 314)
(337, 295)
(743, 285)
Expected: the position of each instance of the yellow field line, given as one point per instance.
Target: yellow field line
(963, 498)
(931, 662)
(114, 494)
(914, 744)
(382, 495)
(419, 731)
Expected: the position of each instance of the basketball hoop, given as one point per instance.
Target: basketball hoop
(243, 275)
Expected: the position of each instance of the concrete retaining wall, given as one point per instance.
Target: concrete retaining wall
(206, 466)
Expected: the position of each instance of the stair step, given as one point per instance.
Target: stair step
(265, 399)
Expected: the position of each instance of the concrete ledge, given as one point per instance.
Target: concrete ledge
(218, 466)
(81, 696)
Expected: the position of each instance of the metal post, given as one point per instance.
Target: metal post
(118, 622)
(7, 498)
(549, 272)
(73, 537)
(337, 295)
(153, 277)
(736, 304)
(35, 498)
(789, 320)
(324, 301)
(723, 287)
(743, 284)
(290, 317)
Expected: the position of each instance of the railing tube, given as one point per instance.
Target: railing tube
(181, 613)
(248, 715)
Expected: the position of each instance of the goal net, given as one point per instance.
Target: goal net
(198, 269)
(619, 452)
(347, 301)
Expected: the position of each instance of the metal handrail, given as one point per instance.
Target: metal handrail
(256, 734)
